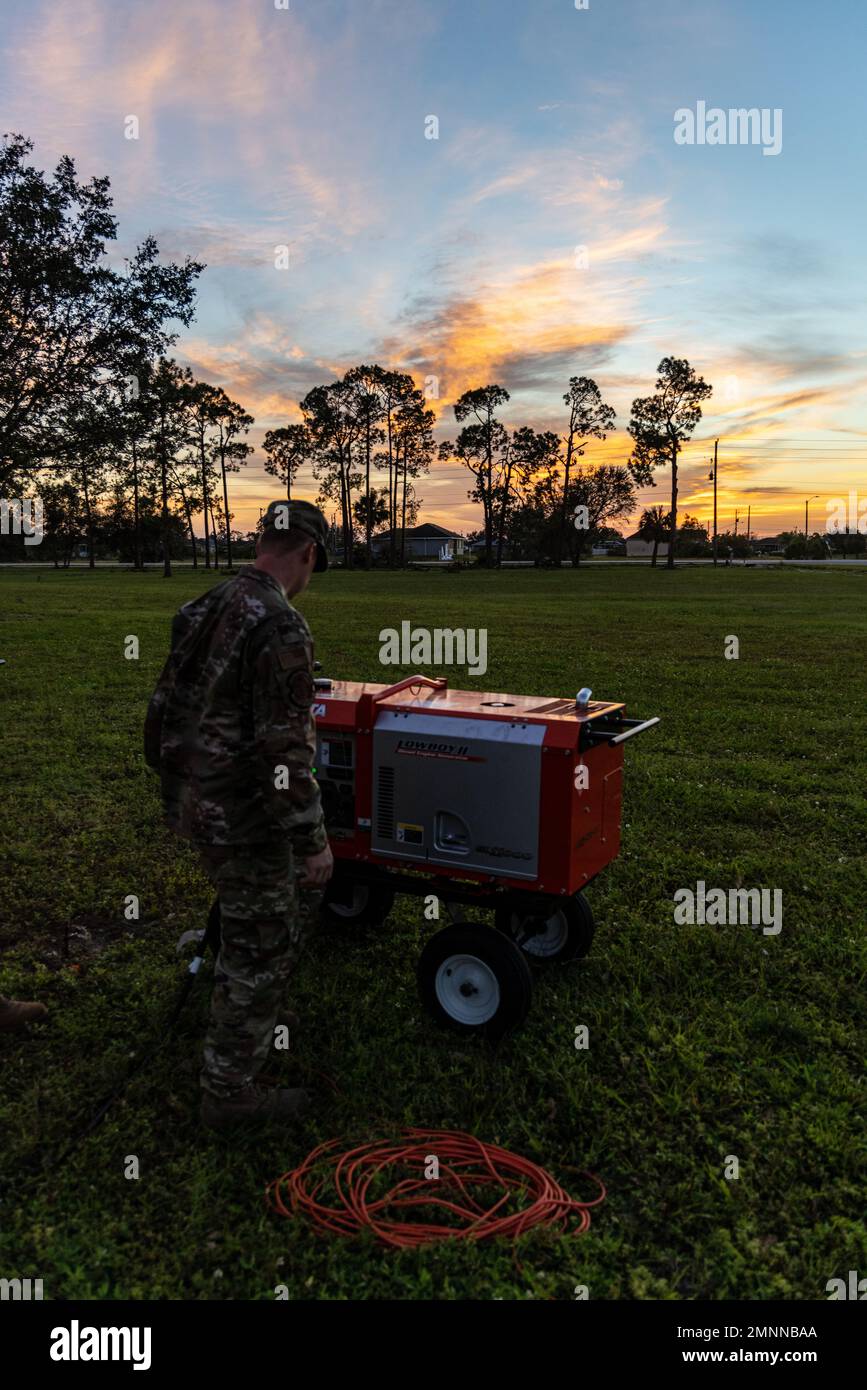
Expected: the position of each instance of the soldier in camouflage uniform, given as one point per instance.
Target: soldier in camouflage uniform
(231, 731)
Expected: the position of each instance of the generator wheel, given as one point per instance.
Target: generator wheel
(474, 980)
(349, 902)
(557, 931)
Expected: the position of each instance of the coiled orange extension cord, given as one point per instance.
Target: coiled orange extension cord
(464, 1163)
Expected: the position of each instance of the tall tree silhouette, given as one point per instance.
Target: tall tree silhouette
(481, 447)
(663, 422)
(414, 450)
(331, 417)
(589, 418)
(232, 422)
(202, 410)
(168, 391)
(531, 454)
(366, 381)
(285, 450)
(67, 319)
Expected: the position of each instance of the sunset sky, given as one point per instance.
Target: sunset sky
(456, 257)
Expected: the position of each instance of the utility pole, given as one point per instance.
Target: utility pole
(736, 522)
(714, 473)
(807, 518)
(749, 510)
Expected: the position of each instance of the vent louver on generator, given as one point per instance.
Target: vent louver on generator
(385, 803)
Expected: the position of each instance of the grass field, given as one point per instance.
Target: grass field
(704, 1041)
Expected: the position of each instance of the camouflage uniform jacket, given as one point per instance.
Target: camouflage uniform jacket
(230, 726)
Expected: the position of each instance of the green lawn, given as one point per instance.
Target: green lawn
(704, 1041)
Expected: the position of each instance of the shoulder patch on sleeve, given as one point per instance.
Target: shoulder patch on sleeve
(301, 689)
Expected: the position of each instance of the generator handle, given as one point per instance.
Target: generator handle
(435, 682)
(630, 733)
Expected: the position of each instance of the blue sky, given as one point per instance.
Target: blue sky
(456, 257)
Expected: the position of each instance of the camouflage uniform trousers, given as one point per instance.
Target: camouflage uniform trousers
(265, 921)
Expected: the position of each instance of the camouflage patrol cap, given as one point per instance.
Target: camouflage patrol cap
(300, 516)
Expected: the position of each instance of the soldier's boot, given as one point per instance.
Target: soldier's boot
(15, 1014)
(250, 1106)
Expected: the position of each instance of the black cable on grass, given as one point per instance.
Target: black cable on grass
(211, 939)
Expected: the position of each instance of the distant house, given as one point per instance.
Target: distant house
(772, 545)
(425, 542)
(637, 547)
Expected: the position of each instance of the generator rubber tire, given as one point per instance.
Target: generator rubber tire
(474, 980)
(352, 903)
(568, 933)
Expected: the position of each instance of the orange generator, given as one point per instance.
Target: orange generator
(506, 802)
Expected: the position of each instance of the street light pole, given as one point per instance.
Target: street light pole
(807, 521)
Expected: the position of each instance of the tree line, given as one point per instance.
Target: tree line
(123, 442)
(532, 486)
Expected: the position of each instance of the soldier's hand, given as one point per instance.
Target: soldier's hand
(318, 869)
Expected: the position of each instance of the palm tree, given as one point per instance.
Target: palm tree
(654, 526)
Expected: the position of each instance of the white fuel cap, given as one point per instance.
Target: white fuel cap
(582, 699)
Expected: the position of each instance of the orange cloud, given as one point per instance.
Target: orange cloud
(530, 312)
